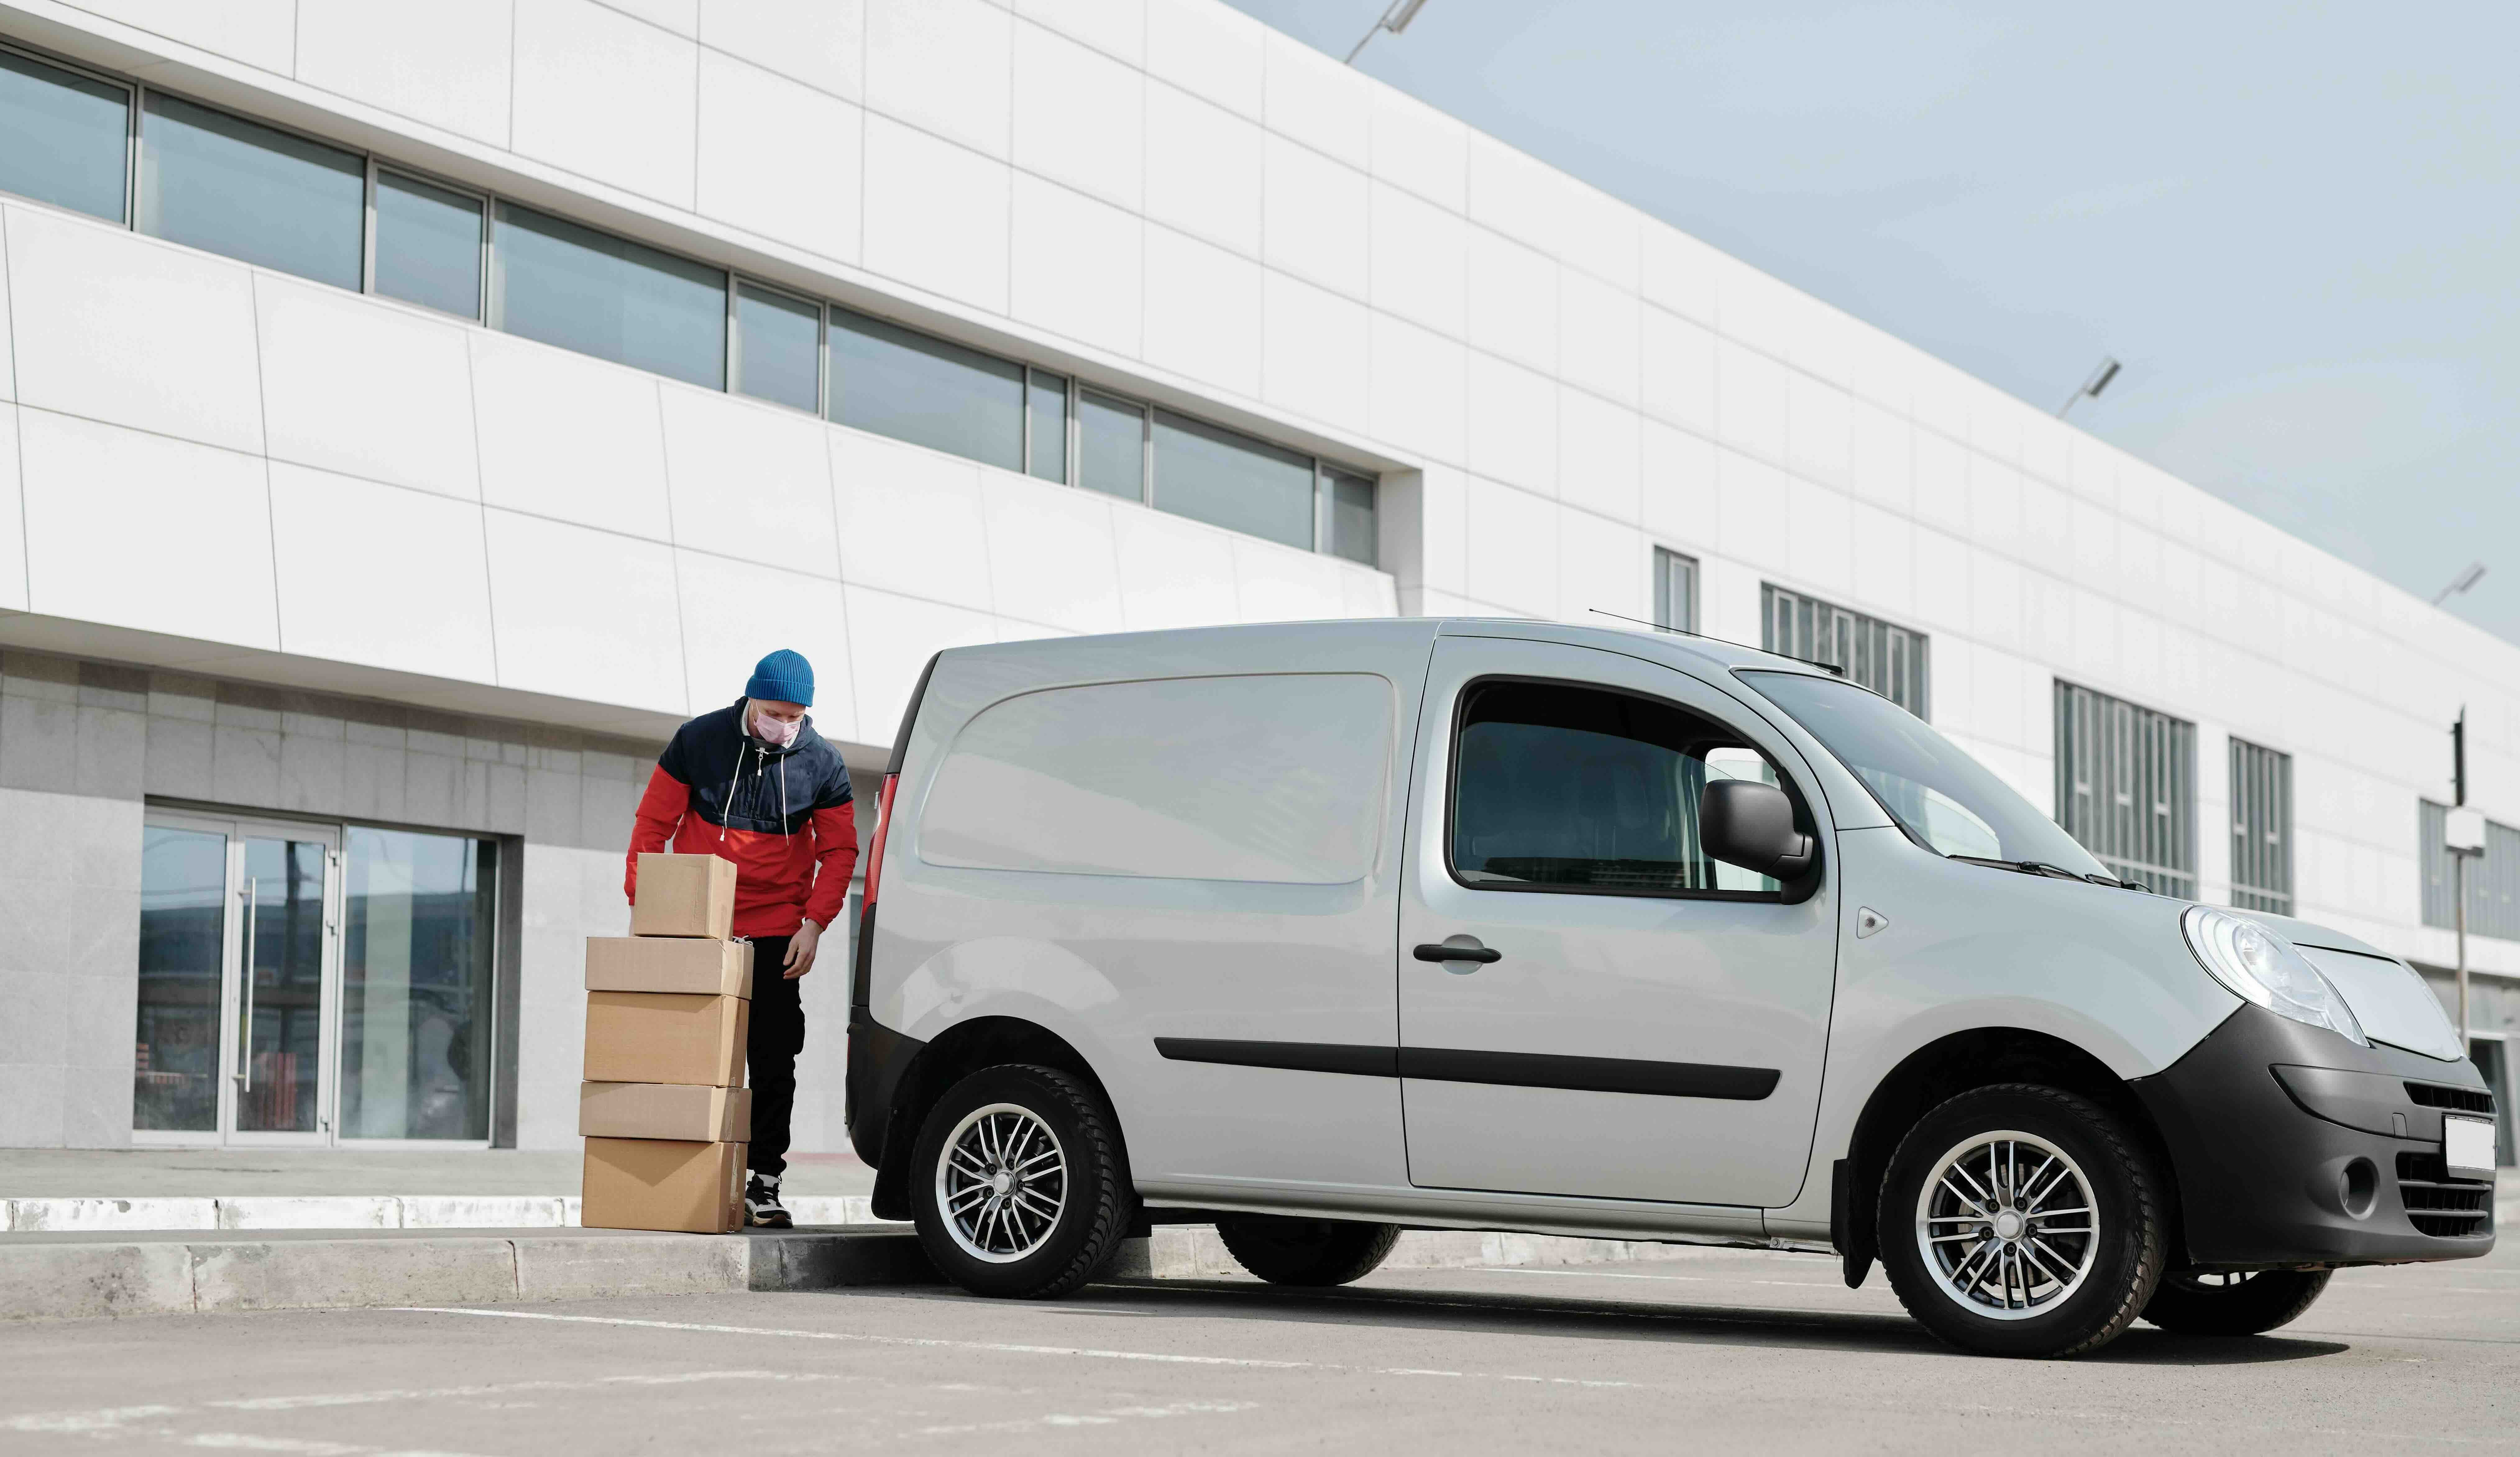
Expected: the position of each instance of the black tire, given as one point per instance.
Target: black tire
(2243, 1304)
(1286, 1251)
(2110, 1268)
(1094, 1199)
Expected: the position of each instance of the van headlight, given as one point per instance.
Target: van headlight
(2261, 967)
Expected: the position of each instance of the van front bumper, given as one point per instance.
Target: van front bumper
(2294, 1147)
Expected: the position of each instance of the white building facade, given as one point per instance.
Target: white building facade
(410, 414)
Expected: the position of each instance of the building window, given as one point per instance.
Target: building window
(1212, 474)
(893, 382)
(1890, 660)
(560, 283)
(428, 245)
(1347, 515)
(2126, 788)
(1111, 445)
(226, 184)
(1046, 426)
(64, 137)
(1676, 589)
(420, 925)
(2261, 829)
(2492, 880)
(778, 347)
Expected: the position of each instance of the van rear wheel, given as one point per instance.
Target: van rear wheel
(1017, 1186)
(2245, 1302)
(2023, 1220)
(1285, 1251)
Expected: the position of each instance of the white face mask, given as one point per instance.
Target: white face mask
(773, 731)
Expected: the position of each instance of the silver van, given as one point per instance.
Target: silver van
(1324, 931)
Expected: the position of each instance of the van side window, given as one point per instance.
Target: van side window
(1558, 786)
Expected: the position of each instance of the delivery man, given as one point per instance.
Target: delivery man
(755, 783)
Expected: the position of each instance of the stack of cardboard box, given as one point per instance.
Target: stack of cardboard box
(663, 1108)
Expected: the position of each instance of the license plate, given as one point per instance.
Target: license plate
(2468, 1146)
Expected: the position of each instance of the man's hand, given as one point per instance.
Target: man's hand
(801, 950)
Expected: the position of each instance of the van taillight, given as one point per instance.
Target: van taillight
(882, 823)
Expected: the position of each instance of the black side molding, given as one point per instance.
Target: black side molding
(1617, 1075)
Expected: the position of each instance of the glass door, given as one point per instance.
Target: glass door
(239, 975)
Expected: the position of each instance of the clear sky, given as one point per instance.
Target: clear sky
(2297, 223)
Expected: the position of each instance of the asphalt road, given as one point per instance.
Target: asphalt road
(1730, 1353)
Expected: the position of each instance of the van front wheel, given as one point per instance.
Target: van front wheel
(1017, 1186)
(1285, 1250)
(2023, 1220)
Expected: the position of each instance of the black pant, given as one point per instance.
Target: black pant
(775, 1035)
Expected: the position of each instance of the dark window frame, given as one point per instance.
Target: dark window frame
(1730, 738)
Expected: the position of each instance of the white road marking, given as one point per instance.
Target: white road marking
(1002, 1347)
(103, 1419)
(1109, 1416)
(495, 1388)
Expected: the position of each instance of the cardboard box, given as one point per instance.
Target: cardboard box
(669, 963)
(662, 1183)
(664, 1110)
(662, 1036)
(683, 894)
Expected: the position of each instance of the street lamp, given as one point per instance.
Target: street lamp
(2460, 584)
(2102, 375)
(2463, 836)
(1394, 20)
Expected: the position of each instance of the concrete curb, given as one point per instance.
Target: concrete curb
(52, 1278)
(241, 1212)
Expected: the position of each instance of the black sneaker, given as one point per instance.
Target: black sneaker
(761, 1209)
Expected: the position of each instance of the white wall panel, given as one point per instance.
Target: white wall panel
(1174, 573)
(1313, 352)
(1420, 389)
(1675, 370)
(751, 481)
(119, 328)
(778, 157)
(369, 390)
(1315, 225)
(1597, 336)
(735, 612)
(1818, 427)
(891, 640)
(1078, 265)
(1421, 149)
(937, 214)
(1512, 425)
(445, 63)
(1749, 401)
(1364, 591)
(1676, 272)
(1203, 311)
(1418, 259)
(585, 614)
(1513, 547)
(1115, 28)
(1516, 196)
(910, 521)
(1820, 545)
(422, 605)
(190, 529)
(1881, 464)
(604, 95)
(8, 357)
(681, 17)
(1204, 169)
(1051, 558)
(1598, 452)
(1600, 564)
(942, 66)
(818, 42)
(1280, 584)
(12, 516)
(1885, 560)
(1207, 50)
(1314, 100)
(1757, 522)
(1681, 504)
(1512, 300)
(1079, 115)
(567, 436)
(257, 33)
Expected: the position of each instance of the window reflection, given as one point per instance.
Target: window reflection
(416, 986)
(66, 137)
(183, 905)
(225, 184)
(609, 298)
(428, 245)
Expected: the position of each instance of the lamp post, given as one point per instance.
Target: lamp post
(2101, 374)
(2461, 583)
(2463, 836)
(1394, 20)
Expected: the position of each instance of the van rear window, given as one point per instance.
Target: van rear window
(1276, 777)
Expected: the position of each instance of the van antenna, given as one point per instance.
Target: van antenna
(1710, 638)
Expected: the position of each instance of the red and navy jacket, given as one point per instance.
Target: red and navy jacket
(783, 815)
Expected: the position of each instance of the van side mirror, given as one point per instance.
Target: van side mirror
(1751, 824)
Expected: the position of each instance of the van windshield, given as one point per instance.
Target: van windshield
(1937, 792)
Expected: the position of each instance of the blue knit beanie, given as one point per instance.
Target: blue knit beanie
(783, 677)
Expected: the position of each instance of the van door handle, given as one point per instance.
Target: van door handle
(1437, 952)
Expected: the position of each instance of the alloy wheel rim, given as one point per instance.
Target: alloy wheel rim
(1002, 1182)
(2008, 1225)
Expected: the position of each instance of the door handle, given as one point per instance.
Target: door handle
(1436, 951)
(245, 1041)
